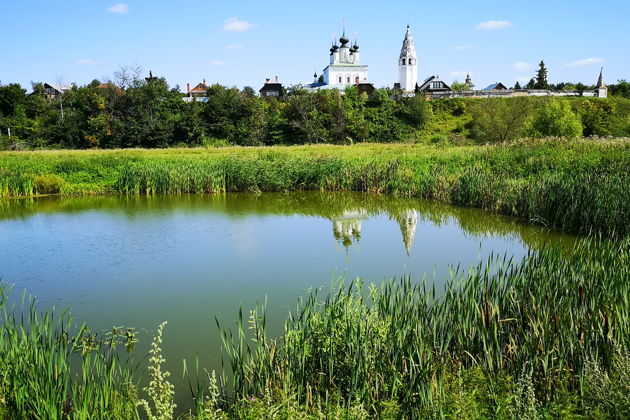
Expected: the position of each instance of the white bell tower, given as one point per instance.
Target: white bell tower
(408, 64)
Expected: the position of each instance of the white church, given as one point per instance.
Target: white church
(345, 69)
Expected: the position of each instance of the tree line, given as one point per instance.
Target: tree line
(148, 113)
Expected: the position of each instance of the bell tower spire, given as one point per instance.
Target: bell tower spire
(408, 64)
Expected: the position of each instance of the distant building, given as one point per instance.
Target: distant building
(366, 87)
(433, 84)
(469, 84)
(408, 64)
(496, 86)
(53, 91)
(344, 68)
(198, 93)
(601, 91)
(272, 89)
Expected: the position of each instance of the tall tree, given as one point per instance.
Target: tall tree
(541, 77)
(517, 85)
(531, 84)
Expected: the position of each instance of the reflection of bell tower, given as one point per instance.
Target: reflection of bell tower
(347, 227)
(408, 221)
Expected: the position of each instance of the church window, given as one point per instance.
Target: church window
(348, 79)
(356, 79)
(339, 79)
(404, 62)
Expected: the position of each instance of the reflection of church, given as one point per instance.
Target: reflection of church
(347, 227)
(408, 222)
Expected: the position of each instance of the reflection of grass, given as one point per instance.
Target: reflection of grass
(330, 205)
(576, 185)
(544, 337)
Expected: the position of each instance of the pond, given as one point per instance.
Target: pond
(138, 261)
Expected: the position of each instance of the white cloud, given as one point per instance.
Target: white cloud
(85, 61)
(459, 74)
(586, 62)
(216, 63)
(494, 24)
(522, 66)
(234, 47)
(119, 8)
(460, 47)
(233, 24)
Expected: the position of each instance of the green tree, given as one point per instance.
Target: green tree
(531, 84)
(541, 77)
(517, 85)
(458, 87)
(499, 120)
(555, 118)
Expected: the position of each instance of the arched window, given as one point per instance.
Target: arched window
(348, 79)
(339, 79)
(404, 62)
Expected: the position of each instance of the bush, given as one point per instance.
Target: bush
(555, 118)
(48, 184)
(499, 120)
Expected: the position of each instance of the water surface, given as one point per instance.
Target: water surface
(137, 261)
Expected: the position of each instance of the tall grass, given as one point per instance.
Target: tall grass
(50, 369)
(543, 320)
(573, 185)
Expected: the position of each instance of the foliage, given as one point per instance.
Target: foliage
(37, 379)
(160, 390)
(541, 77)
(555, 118)
(528, 338)
(499, 120)
(147, 113)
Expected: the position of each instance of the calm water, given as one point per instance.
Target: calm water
(139, 261)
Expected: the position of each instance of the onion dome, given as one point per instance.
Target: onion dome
(355, 47)
(344, 40)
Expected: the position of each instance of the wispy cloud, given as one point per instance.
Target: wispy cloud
(233, 24)
(86, 62)
(460, 47)
(586, 62)
(119, 8)
(522, 66)
(215, 63)
(494, 24)
(234, 46)
(459, 74)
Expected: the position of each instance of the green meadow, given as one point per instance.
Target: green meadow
(546, 337)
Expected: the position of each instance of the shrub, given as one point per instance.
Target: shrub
(500, 120)
(48, 184)
(555, 118)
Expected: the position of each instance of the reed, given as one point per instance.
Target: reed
(52, 369)
(573, 185)
(542, 321)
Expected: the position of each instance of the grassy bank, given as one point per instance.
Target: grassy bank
(544, 338)
(578, 185)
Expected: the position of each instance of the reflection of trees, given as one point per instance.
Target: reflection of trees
(347, 227)
(329, 205)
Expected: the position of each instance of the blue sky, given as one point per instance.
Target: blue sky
(241, 42)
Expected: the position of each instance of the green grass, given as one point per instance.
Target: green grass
(543, 331)
(577, 185)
